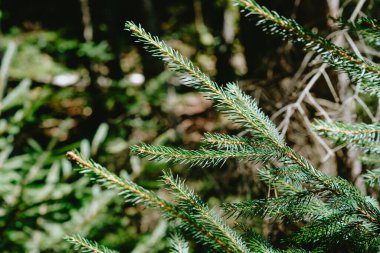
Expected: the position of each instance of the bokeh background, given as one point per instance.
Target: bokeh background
(72, 78)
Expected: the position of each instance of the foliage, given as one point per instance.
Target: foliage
(361, 71)
(334, 212)
(62, 89)
(85, 245)
(178, 244)
(364, 136)
(370, 30)
(41, 198)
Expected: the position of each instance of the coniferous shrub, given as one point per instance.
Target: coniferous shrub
(332, 211)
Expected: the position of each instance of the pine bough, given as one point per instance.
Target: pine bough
(333, 210)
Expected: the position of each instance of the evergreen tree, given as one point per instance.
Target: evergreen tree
(333, 211)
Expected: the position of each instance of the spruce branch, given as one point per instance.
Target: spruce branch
(132, 192)
(258, 244)
(301, 206)
(178, 244)
(193, 205)
(286, 179)
(227, 101)
(342, 197)
(321, 196)
(343, 193)
(335, 229)
(372, 177)
(242, 109)
(84, 245)
(202, 157)
(317, 203)
(253, 115)
(364, 136)
(360, 70)
(137, 194)
(370, 159)
(370, 30)
(229, 142)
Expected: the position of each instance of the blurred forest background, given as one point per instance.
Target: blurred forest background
(72, 78)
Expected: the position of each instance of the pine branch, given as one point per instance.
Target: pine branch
(358, 69)
(84, 245)
(227, 101)
(178, 244)
(201, 157)
(193, 205)
(364, 136)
